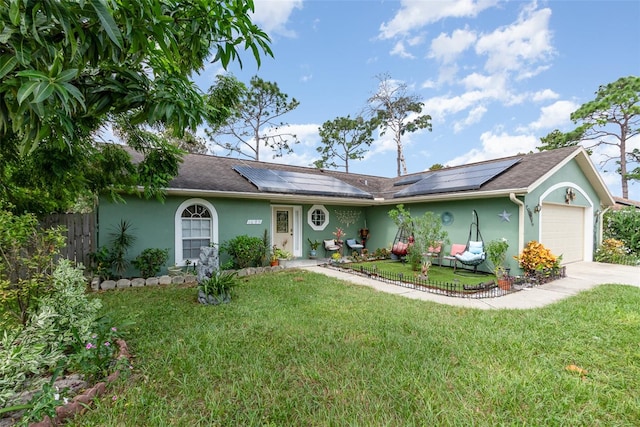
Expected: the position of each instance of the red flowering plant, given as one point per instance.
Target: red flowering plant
(535, 257)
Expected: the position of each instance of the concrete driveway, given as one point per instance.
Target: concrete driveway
(580, 276)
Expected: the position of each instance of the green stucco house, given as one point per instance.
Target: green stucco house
(555, 197)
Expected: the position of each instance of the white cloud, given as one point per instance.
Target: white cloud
(415, 14)
(446, 48)
(399, 50)
(440, 107)
(544, 95)
(554, 116)
(521, 46)
(272, 16)
(495, 146)
(474, 116)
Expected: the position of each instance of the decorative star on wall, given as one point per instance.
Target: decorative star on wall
(504, 216)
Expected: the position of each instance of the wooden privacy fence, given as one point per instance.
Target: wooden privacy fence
(81, 235)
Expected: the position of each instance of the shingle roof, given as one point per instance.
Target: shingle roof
(214, 174)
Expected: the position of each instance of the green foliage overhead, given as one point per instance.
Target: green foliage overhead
(346, 139)
(612, 118)
(69, 67)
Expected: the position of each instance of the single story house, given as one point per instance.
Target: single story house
(555, 197)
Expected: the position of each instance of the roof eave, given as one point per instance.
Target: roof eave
(590, 172)
(272, 197)
(505, 192)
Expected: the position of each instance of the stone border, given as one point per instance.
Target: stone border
(187, 279)
(80, 403)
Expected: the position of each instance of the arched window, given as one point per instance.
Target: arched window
(196, 225)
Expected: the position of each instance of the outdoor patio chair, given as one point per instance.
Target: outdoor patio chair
(330, 245)
(354, 245)
(456, 249)
(435, 253)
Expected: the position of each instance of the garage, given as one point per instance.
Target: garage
(562, 231)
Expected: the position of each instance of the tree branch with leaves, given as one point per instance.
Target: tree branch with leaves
(254, 122)
(611, 119)
(399, 112)
(345, 139)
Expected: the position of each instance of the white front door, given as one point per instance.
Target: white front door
(283, 228)
(286, 228)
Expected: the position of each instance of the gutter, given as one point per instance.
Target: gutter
(520, 204)
(600, 225)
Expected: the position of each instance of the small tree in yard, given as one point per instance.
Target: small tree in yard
(426, 230)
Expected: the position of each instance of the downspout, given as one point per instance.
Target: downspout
(600, 225)
(520, 204)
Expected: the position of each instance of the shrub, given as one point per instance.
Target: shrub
(150, 261)
(111, 260)
(536, 257)
(220, 282)
(245, 251)
(27, 353)
(26, 261)
(615, 252)
(76, 313)
(623, 225)
(94, 356)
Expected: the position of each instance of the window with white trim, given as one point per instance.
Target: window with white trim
(196, 230)
(318, 217)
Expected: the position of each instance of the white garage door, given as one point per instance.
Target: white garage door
(563, 231)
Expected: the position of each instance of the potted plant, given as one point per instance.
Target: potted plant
(313, 244)
(497, 254)
(274, 260)
(216, 289)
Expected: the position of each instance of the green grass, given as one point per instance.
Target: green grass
(300, 349)
(437, 274)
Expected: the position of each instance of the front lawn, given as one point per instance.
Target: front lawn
(295, 348)
(437, 274)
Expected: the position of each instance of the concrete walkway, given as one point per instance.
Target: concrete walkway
(580, 276)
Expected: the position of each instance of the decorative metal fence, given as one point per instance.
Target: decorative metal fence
(487, 289)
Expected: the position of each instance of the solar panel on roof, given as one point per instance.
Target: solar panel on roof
(279, 181)
(411, 179)
(464, 178)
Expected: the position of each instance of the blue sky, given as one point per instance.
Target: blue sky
(495, 76)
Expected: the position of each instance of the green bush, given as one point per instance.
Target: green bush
(26, 261)
(245, 251)
(27, 353)
(615, 252)
(110, 261)
(76, 313)
(624, 225)
(150, 261)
